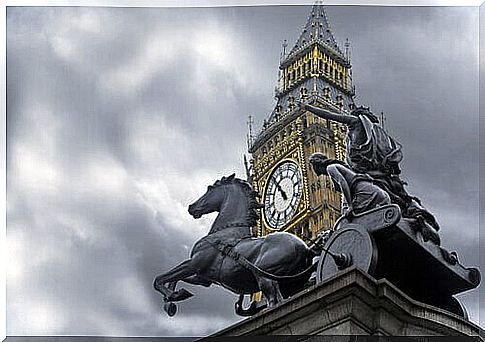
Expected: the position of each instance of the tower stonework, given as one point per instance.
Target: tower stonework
(317, 71)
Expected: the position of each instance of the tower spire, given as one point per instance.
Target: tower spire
(314, 69)
(316, 29)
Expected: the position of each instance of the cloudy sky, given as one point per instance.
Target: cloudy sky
(118, 118)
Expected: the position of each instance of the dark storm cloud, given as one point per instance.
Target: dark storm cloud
(118, 119)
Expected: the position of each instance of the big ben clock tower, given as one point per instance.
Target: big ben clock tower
(318, 72)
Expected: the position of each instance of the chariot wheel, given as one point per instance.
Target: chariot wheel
(348, 247)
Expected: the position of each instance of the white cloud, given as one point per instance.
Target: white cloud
(164, 151)
(43, 317)
(103, 175)
(15, 265)
(214, 49)
(35, 172)
(70, 31)
(157, 53)
(32, 155)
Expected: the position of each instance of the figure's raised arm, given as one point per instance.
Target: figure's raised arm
(326, 114)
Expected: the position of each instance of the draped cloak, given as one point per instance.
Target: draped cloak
(379, 153)
(379, 157)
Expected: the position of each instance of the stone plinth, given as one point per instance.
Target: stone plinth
(353, 303)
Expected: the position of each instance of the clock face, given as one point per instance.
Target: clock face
(282, 195)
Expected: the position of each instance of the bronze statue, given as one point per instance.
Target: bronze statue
(278, 264)
(370, 150)
(371, 236)
(383, 231)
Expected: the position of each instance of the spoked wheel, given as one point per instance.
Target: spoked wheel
(346, 248)
(170, 308)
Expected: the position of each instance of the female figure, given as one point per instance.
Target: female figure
(360, 194)
(371, 151)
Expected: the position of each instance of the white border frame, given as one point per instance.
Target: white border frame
(143, 3)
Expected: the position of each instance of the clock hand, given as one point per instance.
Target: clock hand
(283, 194)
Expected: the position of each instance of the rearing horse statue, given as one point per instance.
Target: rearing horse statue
(278, 264)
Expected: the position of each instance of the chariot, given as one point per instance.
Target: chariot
(385, 245)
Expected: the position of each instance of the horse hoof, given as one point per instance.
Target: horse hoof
(179, 295)
(170, 308)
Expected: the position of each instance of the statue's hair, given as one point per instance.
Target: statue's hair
(253, 212)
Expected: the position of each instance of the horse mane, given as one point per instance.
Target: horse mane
(253, 209)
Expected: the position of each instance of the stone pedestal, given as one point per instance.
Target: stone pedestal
(353, 303)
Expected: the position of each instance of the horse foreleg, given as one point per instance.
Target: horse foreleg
(197, 280)
(183, 294)
(179, 272)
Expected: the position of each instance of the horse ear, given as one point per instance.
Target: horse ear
(231, 177)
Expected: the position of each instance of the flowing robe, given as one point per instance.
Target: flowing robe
(379, 153)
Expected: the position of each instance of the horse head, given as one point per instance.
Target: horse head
(212, 200)
(233, 198)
